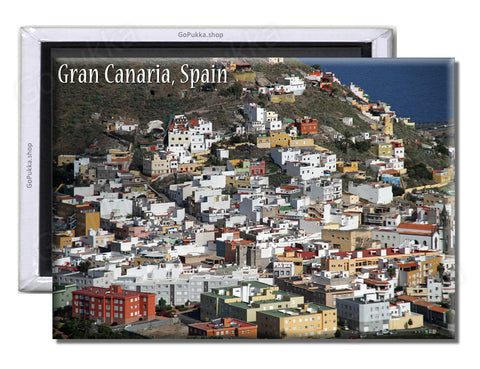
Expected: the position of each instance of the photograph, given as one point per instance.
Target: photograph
(248, 198)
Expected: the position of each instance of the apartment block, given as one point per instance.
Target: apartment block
(112, 305)
(364, 315)
(245, 300)
(303, 321)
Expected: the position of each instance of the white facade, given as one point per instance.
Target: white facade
(274, 125)
(210, 180)
(200, 126)
(281, 155)
(252, 207)
(376, 193)
(357, 91)
(291, 84)
(177, 291)
(197, 143)
(114, 208)
(78, 163)
(304, 171)
(387, 237)
(254, 112)
(434, 290)
(323, 189)
(399, 152)
(256, 126)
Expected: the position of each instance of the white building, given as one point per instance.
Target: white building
(179, 290)
(292, 84)
(254, 112)
(218, 180)
(200, 126)
(434, 290)
(422, 236)
(376, 193)
(357, 91)
(364, 315)
(78, 164)
(282, 155)
(323, 189)
(113, 208)
(256, 126)
(197, 142)
(274, 125)
(388, 237)
(304, 171)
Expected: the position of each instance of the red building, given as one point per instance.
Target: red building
(223, 327)
(257, 167)
(306, 125)
(112, 305)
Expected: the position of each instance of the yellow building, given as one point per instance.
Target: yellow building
(65, 159)
(415, 320)
(349, 198)
(279, 139)
(384, 150)
(345, 240)
(87, 218)
(306, 320)
(301, 142)
(388, 126)
(63, 239)
(444, 176)
(273, 140)
(282, 139)
(347, 167)
(238, 181)
(116, 154)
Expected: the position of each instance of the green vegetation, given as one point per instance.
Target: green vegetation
(86, 329)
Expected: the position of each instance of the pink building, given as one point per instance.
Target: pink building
(257, 167)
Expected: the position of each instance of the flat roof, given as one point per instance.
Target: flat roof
(286, 312)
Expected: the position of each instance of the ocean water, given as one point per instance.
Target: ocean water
(422, 89)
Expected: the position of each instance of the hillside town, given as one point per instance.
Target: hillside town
(259, 232)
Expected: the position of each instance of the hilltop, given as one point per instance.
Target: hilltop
(81, 110)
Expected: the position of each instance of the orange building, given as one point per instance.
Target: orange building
(415, 273)
(223, 327)
(112, 305)
(306, 125)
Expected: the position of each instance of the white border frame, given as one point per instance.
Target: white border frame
(31, 39)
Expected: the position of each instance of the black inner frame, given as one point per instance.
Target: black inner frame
(51, 50)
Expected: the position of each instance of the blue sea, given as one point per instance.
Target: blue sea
(421, 89)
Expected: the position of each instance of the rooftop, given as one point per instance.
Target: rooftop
(308, 310)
